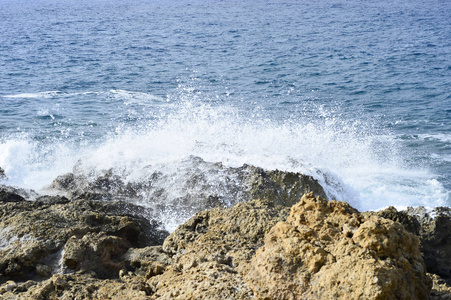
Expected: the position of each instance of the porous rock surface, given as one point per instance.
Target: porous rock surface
(56, 248)
(433, 229)
(212, 251)
(328, 250)
(54, 235)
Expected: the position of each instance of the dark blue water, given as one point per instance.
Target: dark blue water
(357, 90)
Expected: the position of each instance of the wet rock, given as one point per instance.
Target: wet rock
(432, 228)
(8, 191)
(435, 237)
(328, 250)
(54, 235)
(104, 186)
(409, 222)
(6, 196)
(259, 249)
(192, 185)
(284, 188)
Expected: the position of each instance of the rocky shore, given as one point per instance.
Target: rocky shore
(282, 240)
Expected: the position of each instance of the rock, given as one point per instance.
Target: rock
(194, 186)
(6, 196)
(284, 188)
(440, 289)
(432, 228)
(435, 238)
(61, 248)
(211, 247)
(13, 191)
(328, 250)
(54, 235)
(2, 174)
(8, 286)
(324, 250)
(12, 194)
(239, 229)
(81, 286)
(148, 261)
(409, 222)
(96, 252)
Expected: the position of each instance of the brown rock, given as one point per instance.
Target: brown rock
(432, 228)
(80, 286)
(148, 261)
(96, 252)
(327, 250)
(193, 181)
(228, 236)
(54, 235)
(213, 249)
(253, 250)
(435, 238)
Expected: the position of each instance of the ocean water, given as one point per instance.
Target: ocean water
(355, 93)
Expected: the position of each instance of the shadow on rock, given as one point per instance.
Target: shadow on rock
(54, 235)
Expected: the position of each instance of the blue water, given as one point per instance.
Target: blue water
(354, 93)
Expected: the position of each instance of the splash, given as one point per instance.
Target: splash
(354, 159)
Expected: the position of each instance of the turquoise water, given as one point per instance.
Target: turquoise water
(356, 94)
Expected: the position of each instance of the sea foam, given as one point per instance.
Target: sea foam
(354, 160)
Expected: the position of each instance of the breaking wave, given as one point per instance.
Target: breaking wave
(354, 160)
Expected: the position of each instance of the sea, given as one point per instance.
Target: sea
(356, 94)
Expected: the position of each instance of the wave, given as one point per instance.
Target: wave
(353, 159)
(48, 94)
(128, 96)
(445, 138)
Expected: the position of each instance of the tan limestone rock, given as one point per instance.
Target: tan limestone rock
(328, 250)
(80, 286)
(212, 251)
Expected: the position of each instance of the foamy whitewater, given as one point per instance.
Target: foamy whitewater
(140, 88)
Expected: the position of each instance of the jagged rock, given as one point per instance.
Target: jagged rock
(432, 228)
(148, 261)
(82, 249)
(435, 237)
(284, 188)
(325, 250)
(54, 235)
(2, 174)
(194, 186)
(6, 196)
(239, 230)
(328, 250)
(409, 222)
(213, 242)
(10, 190)
(211, 247)
(79, 286)
(440, 289)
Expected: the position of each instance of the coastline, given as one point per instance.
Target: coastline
(281, 242)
